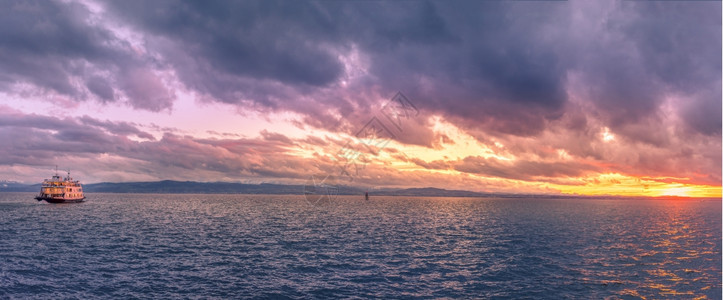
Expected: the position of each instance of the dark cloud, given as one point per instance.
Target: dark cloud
(700, 112)
(522, 169)
(58, 48)
(39, 142)
(225, 48)
(145, 90)
(117, 128)
(503, 66)
(272, 136)
(270, 54)
(100, 88)
(644, 53)
(68, 127)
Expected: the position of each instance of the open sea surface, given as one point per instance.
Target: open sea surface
(279, 246)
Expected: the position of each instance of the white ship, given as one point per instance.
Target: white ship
(61, 190)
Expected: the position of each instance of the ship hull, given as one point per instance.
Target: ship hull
(59, 200)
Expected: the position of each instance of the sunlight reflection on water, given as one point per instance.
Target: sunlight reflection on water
(171, 246)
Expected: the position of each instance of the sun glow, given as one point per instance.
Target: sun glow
(677, 191)
(607, 136)
(457, 144)
(624, 185)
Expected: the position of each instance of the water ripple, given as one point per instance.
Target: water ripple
(260, 246)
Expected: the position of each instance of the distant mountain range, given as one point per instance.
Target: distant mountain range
(192, 187)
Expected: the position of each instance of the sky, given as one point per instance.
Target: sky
(578, 97)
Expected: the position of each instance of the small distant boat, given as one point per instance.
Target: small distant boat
(61, 190)
(366, 195)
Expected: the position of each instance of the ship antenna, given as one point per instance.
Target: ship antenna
(56, 170)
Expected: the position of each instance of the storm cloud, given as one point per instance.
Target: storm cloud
(481, 60)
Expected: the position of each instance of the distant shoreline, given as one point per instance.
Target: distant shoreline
(192, 187)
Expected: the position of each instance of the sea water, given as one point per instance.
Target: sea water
(272, 246)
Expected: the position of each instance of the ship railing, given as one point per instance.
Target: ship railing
(51, 195)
